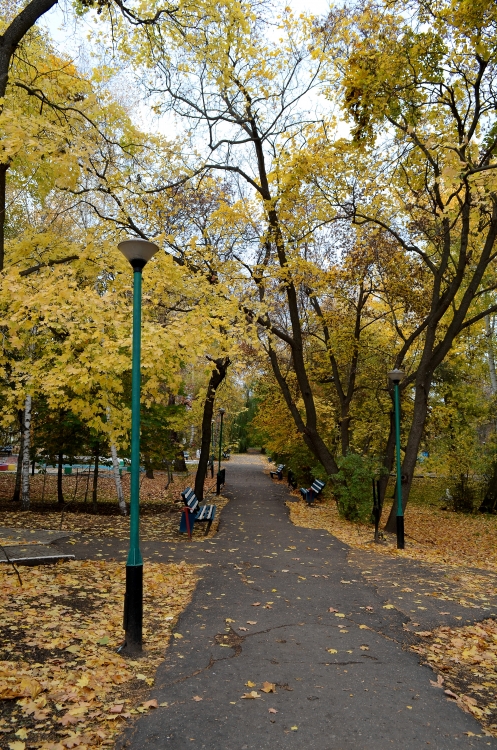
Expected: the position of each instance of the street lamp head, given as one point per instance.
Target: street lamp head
(396, 376)
(222, 411)
(138, 252)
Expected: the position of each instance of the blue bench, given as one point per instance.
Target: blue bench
(313, 492)
(278, 473)
(193, 511)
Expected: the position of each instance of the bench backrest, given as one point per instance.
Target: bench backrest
(190, 499)
(317, 485)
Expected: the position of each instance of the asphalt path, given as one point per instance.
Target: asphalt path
(280, 604)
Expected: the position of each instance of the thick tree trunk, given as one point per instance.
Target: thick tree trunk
(60, 494)
(25, 452)
(117, 479)
(94, 494)
(3, 192)
(489, 332)
(217, 377)
(149, 471)
(17, 487)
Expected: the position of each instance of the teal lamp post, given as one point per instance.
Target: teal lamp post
(213, 441)
(395, 377)
(219, 475)
(138, 253)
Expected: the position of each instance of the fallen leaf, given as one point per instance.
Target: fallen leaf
(26, 687)
(251, 622)
(438, 683)
(256, 604)
(424, 633)
(388, 606)
(332, 651)
(272, 711)
(451, 694)
(244, 630)
(330, 609)
(364, 648)
(228, 619)
(72, 649)
(117, 708)
(177, 635)
(253, 694)
(339, 614)
(294, 728)
(250, 684)
(141, 676)
(197, 698)
(17, 745)
(151, 704)
(22, 733)
(268, 687)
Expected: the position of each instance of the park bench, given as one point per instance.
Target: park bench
(193, 511)
(313, 492)
(278, 473)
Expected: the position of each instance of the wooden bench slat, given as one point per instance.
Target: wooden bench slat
(196, 512)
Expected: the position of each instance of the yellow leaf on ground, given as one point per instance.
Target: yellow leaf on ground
(268, 687)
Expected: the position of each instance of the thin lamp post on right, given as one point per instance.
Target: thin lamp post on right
(213, 447)
(218, 488)
(396, 377)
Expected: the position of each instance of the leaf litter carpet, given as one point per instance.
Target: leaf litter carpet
(62, 684)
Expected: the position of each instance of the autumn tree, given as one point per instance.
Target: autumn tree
(420, 91)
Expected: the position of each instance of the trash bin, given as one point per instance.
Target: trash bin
(67, 469)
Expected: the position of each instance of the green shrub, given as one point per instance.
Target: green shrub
(353, 487)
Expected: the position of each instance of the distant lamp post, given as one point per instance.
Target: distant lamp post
(218, 487)
(213, 448)
(138, 253)
(395, 377)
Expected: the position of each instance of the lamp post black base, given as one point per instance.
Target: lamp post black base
(400, 532)
(133, 609)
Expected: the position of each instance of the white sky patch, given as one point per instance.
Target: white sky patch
(71, 37)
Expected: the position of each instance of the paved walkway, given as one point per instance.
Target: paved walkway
(261, 614)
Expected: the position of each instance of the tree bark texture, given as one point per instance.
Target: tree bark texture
(25, 453)
(94, 494)
(217, 376)
(117, 479)
(17, 488)
(60, 493)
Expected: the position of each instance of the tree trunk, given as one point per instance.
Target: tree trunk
(3, 192)
(149, 471)
(17, 488)
(489, 331)
(60, 494)
(117, 479)
(94, 494)
(25, 451)
(217, 377)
